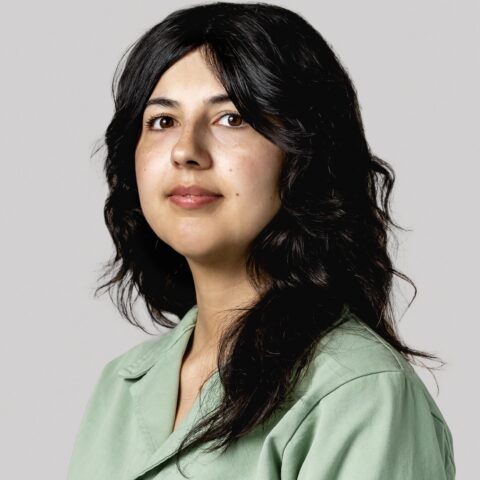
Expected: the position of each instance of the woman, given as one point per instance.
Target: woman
(244, 199)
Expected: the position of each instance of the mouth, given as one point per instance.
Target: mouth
(190, 201)
(195, 190)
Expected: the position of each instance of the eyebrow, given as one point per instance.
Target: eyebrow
(168, 102)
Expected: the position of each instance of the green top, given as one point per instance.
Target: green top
(360, 413)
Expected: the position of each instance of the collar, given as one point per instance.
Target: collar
(150, 351)
(154, 397)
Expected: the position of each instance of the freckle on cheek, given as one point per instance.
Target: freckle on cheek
(237, 194)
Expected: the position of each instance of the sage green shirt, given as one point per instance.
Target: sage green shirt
(361, 413)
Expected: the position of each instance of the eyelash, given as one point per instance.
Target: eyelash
(149, 123)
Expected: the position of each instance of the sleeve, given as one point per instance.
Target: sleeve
(375, 427)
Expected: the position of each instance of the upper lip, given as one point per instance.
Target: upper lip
(192, 190)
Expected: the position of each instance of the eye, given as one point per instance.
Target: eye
(237, 119)
(164, 122)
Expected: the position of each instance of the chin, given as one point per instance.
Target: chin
(192, 248)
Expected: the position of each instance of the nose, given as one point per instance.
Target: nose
(190, 149)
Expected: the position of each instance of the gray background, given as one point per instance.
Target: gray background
(415, 65)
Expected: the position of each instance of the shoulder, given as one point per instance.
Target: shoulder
(379, 425)
(354, 364)
(129, 364)
(355, 349)
(360, 395)
(350, 352)
(110, 380)
(107, 425)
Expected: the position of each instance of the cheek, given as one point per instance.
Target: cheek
(141, 156)
(257, 172)
(255, 180)
(149, 170)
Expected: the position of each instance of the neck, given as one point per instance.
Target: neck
(217, 291)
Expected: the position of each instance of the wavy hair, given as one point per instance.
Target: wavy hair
(325, 248)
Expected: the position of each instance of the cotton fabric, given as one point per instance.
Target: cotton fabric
(361, 413)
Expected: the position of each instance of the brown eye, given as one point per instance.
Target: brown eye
(162, 124)
(233, 119)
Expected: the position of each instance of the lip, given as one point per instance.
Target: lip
(192, 196)
(193, 190)
(193, 201)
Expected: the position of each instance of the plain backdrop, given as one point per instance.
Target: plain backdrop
(415, 66)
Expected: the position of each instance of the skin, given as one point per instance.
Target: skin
(202, 144)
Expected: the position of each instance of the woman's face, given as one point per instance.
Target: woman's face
(191, 141)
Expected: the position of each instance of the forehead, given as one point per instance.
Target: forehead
(190, 74)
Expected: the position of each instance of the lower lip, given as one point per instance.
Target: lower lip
(193, 201)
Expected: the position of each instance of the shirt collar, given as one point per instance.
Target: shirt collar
(145, 359)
